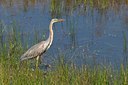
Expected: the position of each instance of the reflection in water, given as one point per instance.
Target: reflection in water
(25, 4)
(125, 51)
(72, 32)
(125, 59)
(100, 25)
(1, 34)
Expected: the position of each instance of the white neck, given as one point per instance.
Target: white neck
(50, 38)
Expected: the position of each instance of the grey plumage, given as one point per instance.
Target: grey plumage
(38, 49)
(34, 51)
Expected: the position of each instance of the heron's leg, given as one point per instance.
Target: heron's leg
(37, 61)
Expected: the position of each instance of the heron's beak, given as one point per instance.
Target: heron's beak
(60, 20)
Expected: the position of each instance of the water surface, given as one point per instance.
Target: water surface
(94, 32)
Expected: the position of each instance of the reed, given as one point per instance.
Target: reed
(124, 42)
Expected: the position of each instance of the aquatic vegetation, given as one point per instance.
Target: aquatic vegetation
(12, 72)
(13, 43)
(125, 41)
(67, 7)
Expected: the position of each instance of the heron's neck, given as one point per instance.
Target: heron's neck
(51, 32)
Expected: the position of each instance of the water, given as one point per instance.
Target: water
(90, 34)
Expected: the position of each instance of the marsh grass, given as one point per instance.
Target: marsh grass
(69, 7)
(65, 5)
(14, 73)
(11, 73)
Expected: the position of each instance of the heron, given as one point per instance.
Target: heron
(39, 49)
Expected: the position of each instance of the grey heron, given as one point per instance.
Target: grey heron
(38, 49)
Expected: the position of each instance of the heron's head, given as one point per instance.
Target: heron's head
(57, 20)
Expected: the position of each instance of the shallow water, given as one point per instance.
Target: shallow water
(91, 34)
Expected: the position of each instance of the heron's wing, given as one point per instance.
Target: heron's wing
(34, 51)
